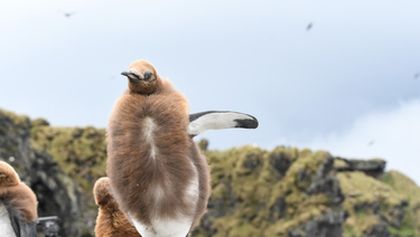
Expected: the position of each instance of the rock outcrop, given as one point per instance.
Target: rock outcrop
(283, 192)
(35, 150)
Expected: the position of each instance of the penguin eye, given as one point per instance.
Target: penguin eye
(147, 75)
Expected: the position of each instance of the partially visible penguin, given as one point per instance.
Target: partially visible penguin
(158, 176)
(111, 221)
(18, 205)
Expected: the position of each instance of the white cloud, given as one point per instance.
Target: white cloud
(392, 135)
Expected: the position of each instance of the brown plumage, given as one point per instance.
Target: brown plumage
(157, 173)
(17, 194)
(111, 221)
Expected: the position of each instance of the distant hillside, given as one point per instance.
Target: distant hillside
(283, 192)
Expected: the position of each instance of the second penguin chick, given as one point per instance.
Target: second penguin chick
(157, 173)
(18, 205)
(111, 221)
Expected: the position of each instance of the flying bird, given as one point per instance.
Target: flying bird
(309, 26)
(18, 205)
(371, 143)
(111, 221)
(417, 76)
(158, 176)
(68, 14)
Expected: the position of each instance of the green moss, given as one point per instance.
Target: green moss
(363, 189)
(402, 232)
(262, 193)
(404, 185)
(80, 152)
(255, 192)
(366, 197)
(15, 119)
(350, 231)
(282, 227)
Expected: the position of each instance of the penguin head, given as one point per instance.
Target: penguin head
(8, 175)
(142, 77)
(102, 192)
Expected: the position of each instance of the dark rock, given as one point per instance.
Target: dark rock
(328, 225)
(56, 192)
(324, 181)
(372, 167)
(280, 162)
(379, 230)
(278, 209)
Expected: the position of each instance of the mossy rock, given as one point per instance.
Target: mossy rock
(256, 192)
(402, 184)
(373, 205)
(81, 152)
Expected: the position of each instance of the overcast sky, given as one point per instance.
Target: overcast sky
(347, 85)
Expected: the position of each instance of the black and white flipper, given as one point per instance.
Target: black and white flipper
(12, 225)
(21, 227)
(212, 120)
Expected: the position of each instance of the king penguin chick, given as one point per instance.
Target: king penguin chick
(18, 205)
(158, 176)
(111, 221)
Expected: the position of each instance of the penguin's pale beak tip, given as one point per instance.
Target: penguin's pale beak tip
(125, 74)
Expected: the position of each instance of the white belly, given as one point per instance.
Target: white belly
(6, 228)
(178, 227)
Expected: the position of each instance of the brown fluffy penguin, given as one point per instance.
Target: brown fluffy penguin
(18, 205)
(111, 221)
(157, 174)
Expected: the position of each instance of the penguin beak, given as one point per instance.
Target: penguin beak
(131, 76)
(125, 74)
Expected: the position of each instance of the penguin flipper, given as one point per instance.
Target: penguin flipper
(20, 226)
(211, 120)
(15, 221)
